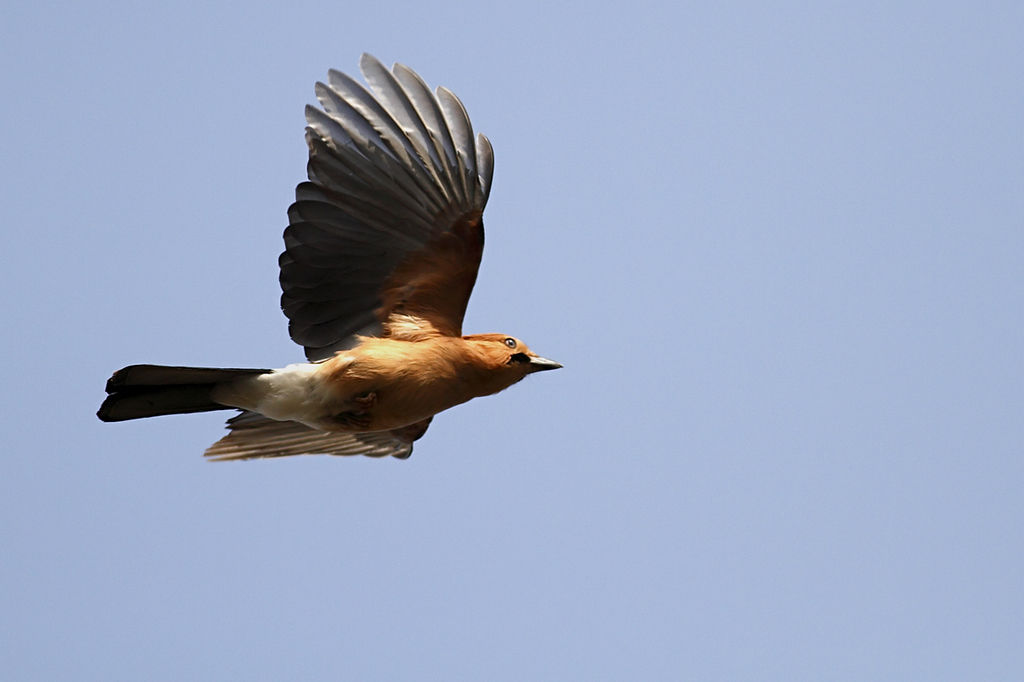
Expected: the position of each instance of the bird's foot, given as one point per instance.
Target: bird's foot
(359, 418)
(365, 401)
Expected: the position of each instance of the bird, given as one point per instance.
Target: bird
(382, 249)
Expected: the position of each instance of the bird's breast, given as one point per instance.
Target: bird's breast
(384, 384)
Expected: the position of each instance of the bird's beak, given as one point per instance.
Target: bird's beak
(539, 364)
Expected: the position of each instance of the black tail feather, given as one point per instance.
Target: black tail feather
(142, 391)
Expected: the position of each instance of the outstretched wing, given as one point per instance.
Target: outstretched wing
(386, 237)
(254, 436)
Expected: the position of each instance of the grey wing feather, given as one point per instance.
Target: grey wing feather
(396, 100)
(430, 114)
(462, 135)
(356, 96)
(253, 436)
(390, 169)
(485, 164)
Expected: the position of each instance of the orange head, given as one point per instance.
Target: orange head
(507, 359)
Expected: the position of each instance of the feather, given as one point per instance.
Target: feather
(389, 91)
(430, 113)
(485, 163)
(362, 101)
(253, 436)
(462, 138)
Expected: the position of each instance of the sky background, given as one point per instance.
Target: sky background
(779, 249)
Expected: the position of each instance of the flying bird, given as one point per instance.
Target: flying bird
(381, 253)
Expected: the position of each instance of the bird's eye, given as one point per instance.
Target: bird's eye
(511, 343)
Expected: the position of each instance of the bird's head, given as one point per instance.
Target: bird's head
(508, 357)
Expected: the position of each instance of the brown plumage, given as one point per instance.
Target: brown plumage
(381, 255)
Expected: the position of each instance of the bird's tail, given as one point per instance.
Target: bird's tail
(141, 391)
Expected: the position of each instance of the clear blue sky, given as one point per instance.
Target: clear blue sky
(779, 250)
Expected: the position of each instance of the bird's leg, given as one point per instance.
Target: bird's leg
(360, 416)
(365, 400)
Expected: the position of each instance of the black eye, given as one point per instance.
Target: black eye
(511, 343)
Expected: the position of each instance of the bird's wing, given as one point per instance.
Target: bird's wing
(254, 436)
(386, 237)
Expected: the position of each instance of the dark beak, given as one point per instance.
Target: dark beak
(538, 364)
